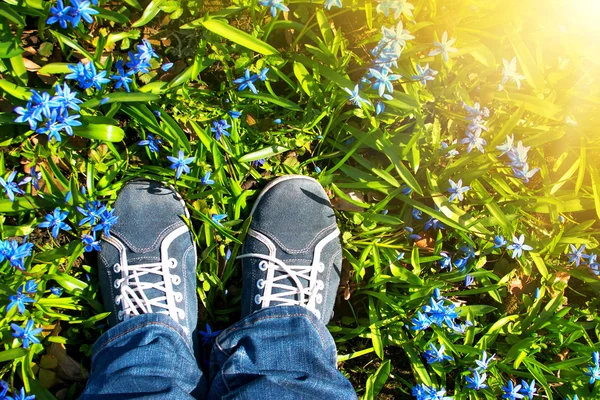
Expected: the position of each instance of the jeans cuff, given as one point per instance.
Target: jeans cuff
(280, 312)
(125, 328)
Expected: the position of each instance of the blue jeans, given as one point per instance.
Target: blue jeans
(280, 353)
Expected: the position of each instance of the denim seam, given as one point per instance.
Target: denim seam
(158, 239)
(303, 250)
(236, 328)
(109, 341)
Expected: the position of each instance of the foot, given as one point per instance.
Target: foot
(148, 263)
(292, 253)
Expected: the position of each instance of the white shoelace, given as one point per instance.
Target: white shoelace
(133, 297)
(308, 296)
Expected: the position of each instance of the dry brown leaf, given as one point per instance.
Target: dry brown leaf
(340, 204)
(30, 65)
(515, 286)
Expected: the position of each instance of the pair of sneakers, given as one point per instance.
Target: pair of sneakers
(291, 254)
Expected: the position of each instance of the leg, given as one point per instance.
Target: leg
(291, 267)
(148, 279)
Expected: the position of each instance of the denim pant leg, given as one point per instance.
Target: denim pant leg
(146, 357)
(279, 353)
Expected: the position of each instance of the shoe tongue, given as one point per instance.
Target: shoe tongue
(135, 276)
(291, 260)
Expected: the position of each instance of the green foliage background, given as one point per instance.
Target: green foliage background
(362, 159)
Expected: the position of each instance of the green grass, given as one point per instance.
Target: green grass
(365, 161)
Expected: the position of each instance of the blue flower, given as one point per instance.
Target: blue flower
(51, 128)
(16, 253)
(383, 80)
(379, 107)
(434, 223)
(66, 99)
(476, 112)
(208, 337)
(446, 261)
(60, 14)
(274, 5)
(525, 174)
(355, 98)
(216, 218)
(576, 256)
(417, 214)
(137, 64)
(145, 51)
(19, 300)
(278, 121)
(405, 189)
(87, 75)
(424, 74)
(206, 179)
(30, 286)
(507, 146)
(469, 281)
(435, 355)
(393, 41)
(166, 66)
(262, 75)
(27, 334)
(594, 370)
(420, 322)
(461, 264)
(457, 190)
(91, 212)
(55, 221)
(90, 243)
(81, 9)
(227, 254)
(511, 391)
(67, 123)
(411, 233)
(234, 114)
(258, 163)
(152, 143)
(499, 241)
(107, 220)
(332, 3)
(21, 396)
(483, 362)
(3, 389)
(56, 291)
(122, 78)
(180, 163)
(477, 381)
(247, 81)
(518, 155)
(474, 140)
(424, 392)
(444, 47)
(518, 246)
(11, 188)
(95, 79)
(220, 128)
(31, 114)
(594, 266)
(528, 390)
(45, 103)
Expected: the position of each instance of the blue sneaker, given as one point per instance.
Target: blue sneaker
(292, 253)
(148, 263)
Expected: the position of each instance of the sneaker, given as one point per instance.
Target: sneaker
(292, 254)
(148, 263)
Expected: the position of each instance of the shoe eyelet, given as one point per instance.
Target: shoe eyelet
(178, 297)
(321, 267)
(319, 298)
(320, 285)
(120, 315)
(181, 314)
(176, 279)
(173, 263)
(262, 265)
(117, 283)
(260, 284)
(257, 299)
(117, 268)
(118, 300)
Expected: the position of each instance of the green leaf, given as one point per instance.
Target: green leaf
(237, 36)
(526, 61)
(103, 13)
(377, 380)
(595, 187)
(122, 97)
(109, 133)
(55, 68)
(11, 14)
(9, 49)
(18, 92)
(285, 103)
(263, 153)
(304, 77)
(11, 354)
(72, 44)
(149, 13)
